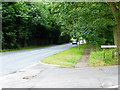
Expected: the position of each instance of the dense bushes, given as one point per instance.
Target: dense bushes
(28, 24)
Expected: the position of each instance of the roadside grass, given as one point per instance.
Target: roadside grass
(24, 48)
(97, 58)
(28, 47)
(67, 57)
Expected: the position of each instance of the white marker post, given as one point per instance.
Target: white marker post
(107, 47)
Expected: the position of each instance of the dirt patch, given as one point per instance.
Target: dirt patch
(83, 62)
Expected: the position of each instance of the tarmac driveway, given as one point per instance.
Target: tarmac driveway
(44, 76)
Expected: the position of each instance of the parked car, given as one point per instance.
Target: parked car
(74, 42)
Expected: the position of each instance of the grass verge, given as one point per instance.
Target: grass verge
(67, 57)
(28, 47)
(24, 48)
(97, 57)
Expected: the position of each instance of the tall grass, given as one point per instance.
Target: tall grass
(102, 57)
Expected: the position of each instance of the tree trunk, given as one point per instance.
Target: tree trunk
(25, 43)
(116, 12)
(118, 41)
(115, 35)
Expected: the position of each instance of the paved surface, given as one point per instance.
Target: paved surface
(57, 77)
(12, 61)
(47, 76)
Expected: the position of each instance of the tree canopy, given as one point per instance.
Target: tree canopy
(92, 21)
(41, 23)
(26, 23)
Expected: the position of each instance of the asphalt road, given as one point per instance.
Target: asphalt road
(10, 62)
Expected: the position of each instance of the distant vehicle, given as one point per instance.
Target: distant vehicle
(74, 42)
(82, 41)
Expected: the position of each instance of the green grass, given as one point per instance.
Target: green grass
(67, 57)
(97, 58)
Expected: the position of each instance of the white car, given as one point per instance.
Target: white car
(82, 41)
(74, 42)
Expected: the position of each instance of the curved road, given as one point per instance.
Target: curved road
(13, 61)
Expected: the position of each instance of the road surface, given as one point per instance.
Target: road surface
(10, 62)
(45, 76)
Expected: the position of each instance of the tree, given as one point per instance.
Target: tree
(115, 6)
(88, 20)
(93, 21)
(28, 24)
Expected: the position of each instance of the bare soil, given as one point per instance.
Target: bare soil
(83, 62)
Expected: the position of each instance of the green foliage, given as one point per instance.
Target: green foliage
(26, 24)
(41, 23)
(92, 21)
(97, 58)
